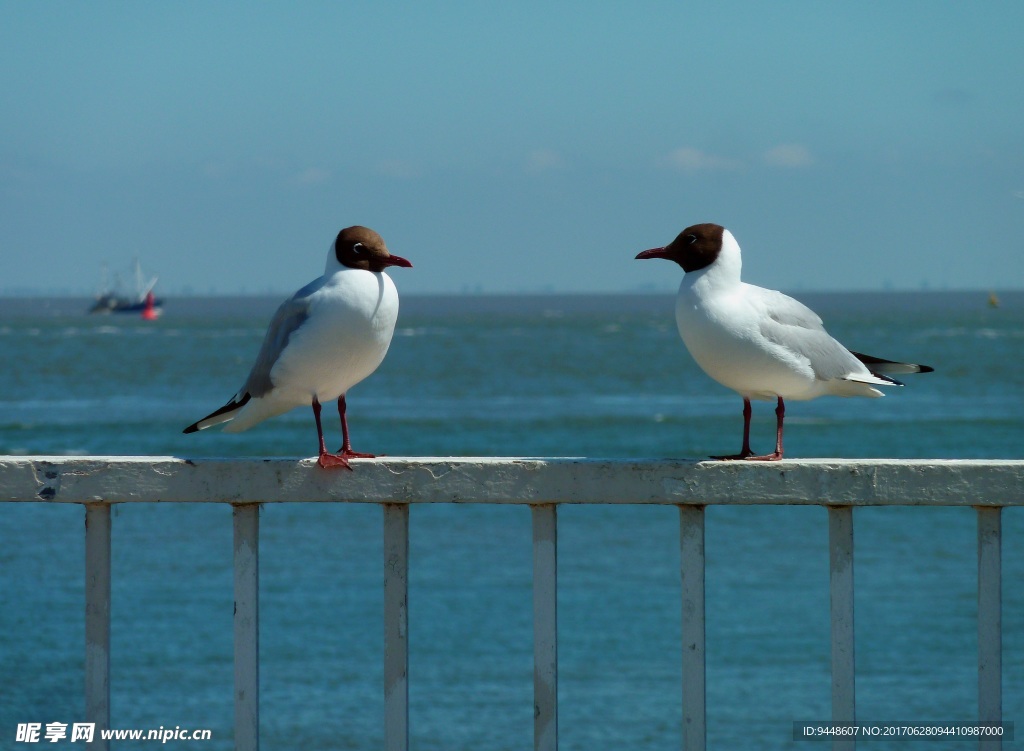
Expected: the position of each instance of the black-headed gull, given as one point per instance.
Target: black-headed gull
(326, 338)
(759, 342)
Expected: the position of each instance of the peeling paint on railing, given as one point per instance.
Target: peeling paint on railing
(856, 482)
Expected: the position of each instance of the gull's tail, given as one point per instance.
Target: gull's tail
(225, 413)
(883, 368)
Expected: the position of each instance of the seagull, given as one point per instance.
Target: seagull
(326, 338)
(759, 342)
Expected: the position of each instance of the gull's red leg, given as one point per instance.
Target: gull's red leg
(326, 460)
(745, 452)
(780, 414)
(346, 444)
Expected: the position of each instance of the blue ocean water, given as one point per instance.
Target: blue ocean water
(539, 376)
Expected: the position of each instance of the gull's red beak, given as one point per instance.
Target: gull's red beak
(652, 253)
(394, 260)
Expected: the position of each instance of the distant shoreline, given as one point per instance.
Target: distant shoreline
(526, 304)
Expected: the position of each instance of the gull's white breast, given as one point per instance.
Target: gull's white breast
(763, 344)
(723, 336)
(345, 337)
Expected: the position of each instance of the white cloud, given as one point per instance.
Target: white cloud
(397, 168)
(788, 155)
(312, 176)
(688, 159)
(215, 170)
(544, 160)
(955, 97)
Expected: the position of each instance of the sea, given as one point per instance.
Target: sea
(514, 375)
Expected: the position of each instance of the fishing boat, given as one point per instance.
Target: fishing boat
(111, 298)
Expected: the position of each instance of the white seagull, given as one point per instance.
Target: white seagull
(759, 342)
(326, 338)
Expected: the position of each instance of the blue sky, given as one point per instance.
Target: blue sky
(512, 147)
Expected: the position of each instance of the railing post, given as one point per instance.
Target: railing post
(247, 626)
(545, 627)
(840, 545)
(396, 626)
(691, 560)
(97, 619)
(990, 634)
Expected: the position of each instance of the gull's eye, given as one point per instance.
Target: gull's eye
(358, 248)
(691, 239)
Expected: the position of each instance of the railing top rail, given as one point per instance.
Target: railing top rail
(516, 480)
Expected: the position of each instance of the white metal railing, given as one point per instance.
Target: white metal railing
(398, 483)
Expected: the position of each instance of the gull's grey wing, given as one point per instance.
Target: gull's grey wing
(784, 309)
(286, 321)
(792, 325)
